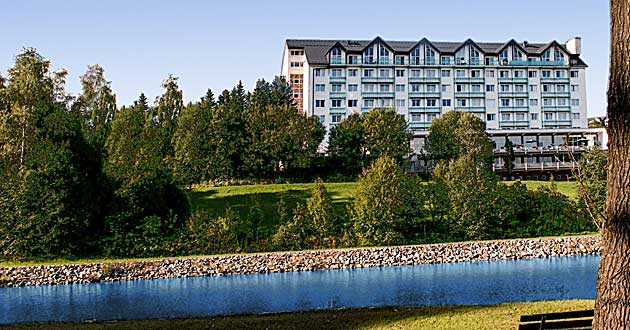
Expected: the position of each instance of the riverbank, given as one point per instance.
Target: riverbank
(493, 317)
(297, 261)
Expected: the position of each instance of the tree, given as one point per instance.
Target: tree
(320, 210)
(96, 105)
(591, 180)
(378, 203)
(386, 134)
(193, 142)
(457, 134)
(168, 107)
(509, 156)
(612, 305)
(295, 234)
(347, 146)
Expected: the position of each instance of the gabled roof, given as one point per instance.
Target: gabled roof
(423, 41)
(316, 49)
(468, 42)
(380, 41)
(511, 42)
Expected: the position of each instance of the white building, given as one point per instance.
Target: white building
(530, 87)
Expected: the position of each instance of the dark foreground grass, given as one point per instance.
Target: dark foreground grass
(493, 317)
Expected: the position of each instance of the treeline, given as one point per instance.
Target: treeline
(81, 177)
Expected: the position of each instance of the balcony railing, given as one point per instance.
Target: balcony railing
(514, 108)
(435, 109)
(341, 110)
(511, 123)
(337, 60)
(469, 79)
(424, 79)
(513, 80)
(470, 94)
(537, 63)
(337, 94)
(377, 94)
(556, 107)
(337, 79)
(554, 80)
(471, 108)
(513, 94)
(417, 61)
(555, 94)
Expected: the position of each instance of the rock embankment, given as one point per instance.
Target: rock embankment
(298, 261)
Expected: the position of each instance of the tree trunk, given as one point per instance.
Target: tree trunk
(612, 307)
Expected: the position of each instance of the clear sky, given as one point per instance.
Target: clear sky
(214, 44)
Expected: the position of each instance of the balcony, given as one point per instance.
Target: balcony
(472, 62)
(555, 94)
(513, 123)
(563, 122)
(470, 94)
(424, 94)
(471, 108)
(339, 110)
(537, 63)
(556, 107)
(513, 80)
(377, 79)
(469, 80)
(425, 109)
(337, 60)
(337, 95)
(513, 94)
(564, 80)
(514, 108)
(378, 94)
(419, 62)
(337, 79)
(424, 79)
(419, 125)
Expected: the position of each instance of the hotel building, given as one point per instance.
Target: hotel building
(531, 93)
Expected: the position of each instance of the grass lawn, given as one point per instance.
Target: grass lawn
(493, 317)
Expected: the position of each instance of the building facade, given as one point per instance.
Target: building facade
(514, 87)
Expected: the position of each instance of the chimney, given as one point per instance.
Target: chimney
(574, 45)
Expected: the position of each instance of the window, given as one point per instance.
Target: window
(546, 56)
(505, 88)
(384, 88)
(517, 55)
(533, 102)
(445, 60)
(548, 115)
(489, 88)
(575, 102)
(558, 55)
(474, 56)
(383, 73)
(297, 64)
(431, 116)
(400, 73)
(533, 88)
(491, 117)
(353, 59)
(503, 57)
(416, 103)
(461, 102)
(546, 74)
(475, 88)
(353, 87)
(504, 74)
(519, 102)
(519, 74)
(320, 88)
(475, 73)
(562, 102)
(446, 88)
(352, 72)
(574, 74)
(446, 73)
(399, 59)
(429, 56)
(505, 102)
(368, 87)
(322, 119)
(336, 103)
(532, 74)
(400, 88)
(562, 116)
(547, 88)
(400, 103)
(415, 73)
(297, 52)
(352, 103)
(368, 56)
(491, 103)
(368, 73)
(446, 102)
(490, 74)
(575, 116)
(336, 118)
(519, 88)
(320, 103)
(476, 103)
(368, 103)
(431, 103)
(533, 116)
(460, 88)
(575, 88)
(505, 117)
(520, 116)
(431, 88)
(415, 87)
(561, 88)
(560, 74)
(416, 117)
(336, 88)
(415, 56)
(547, 102)
(320, 72)
(431, 74)
(460, 73)
(336, 73)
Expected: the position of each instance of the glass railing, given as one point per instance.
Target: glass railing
(540, 63)
(337, 60)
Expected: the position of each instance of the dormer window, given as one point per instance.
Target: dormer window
(517, 55)
(383, 54)
(415, 56)
(546, 56)
(474, 56)
(429, 56)
(559, 56)
(336, 56)
(503, 57)
(368, 56)
(460, 56)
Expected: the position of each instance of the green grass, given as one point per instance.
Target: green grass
(492, 317)
(568, 188)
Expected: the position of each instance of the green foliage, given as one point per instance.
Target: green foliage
(295, 234)
(386, 134)
(457, 134)
(378, 203)
(322, 214)
(509, 156)
(347, 145)
(591, 177)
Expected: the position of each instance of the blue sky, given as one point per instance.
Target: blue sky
(213, 44)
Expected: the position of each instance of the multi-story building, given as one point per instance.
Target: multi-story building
(532, 93)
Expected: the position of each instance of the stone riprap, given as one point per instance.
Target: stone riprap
(298, 261)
